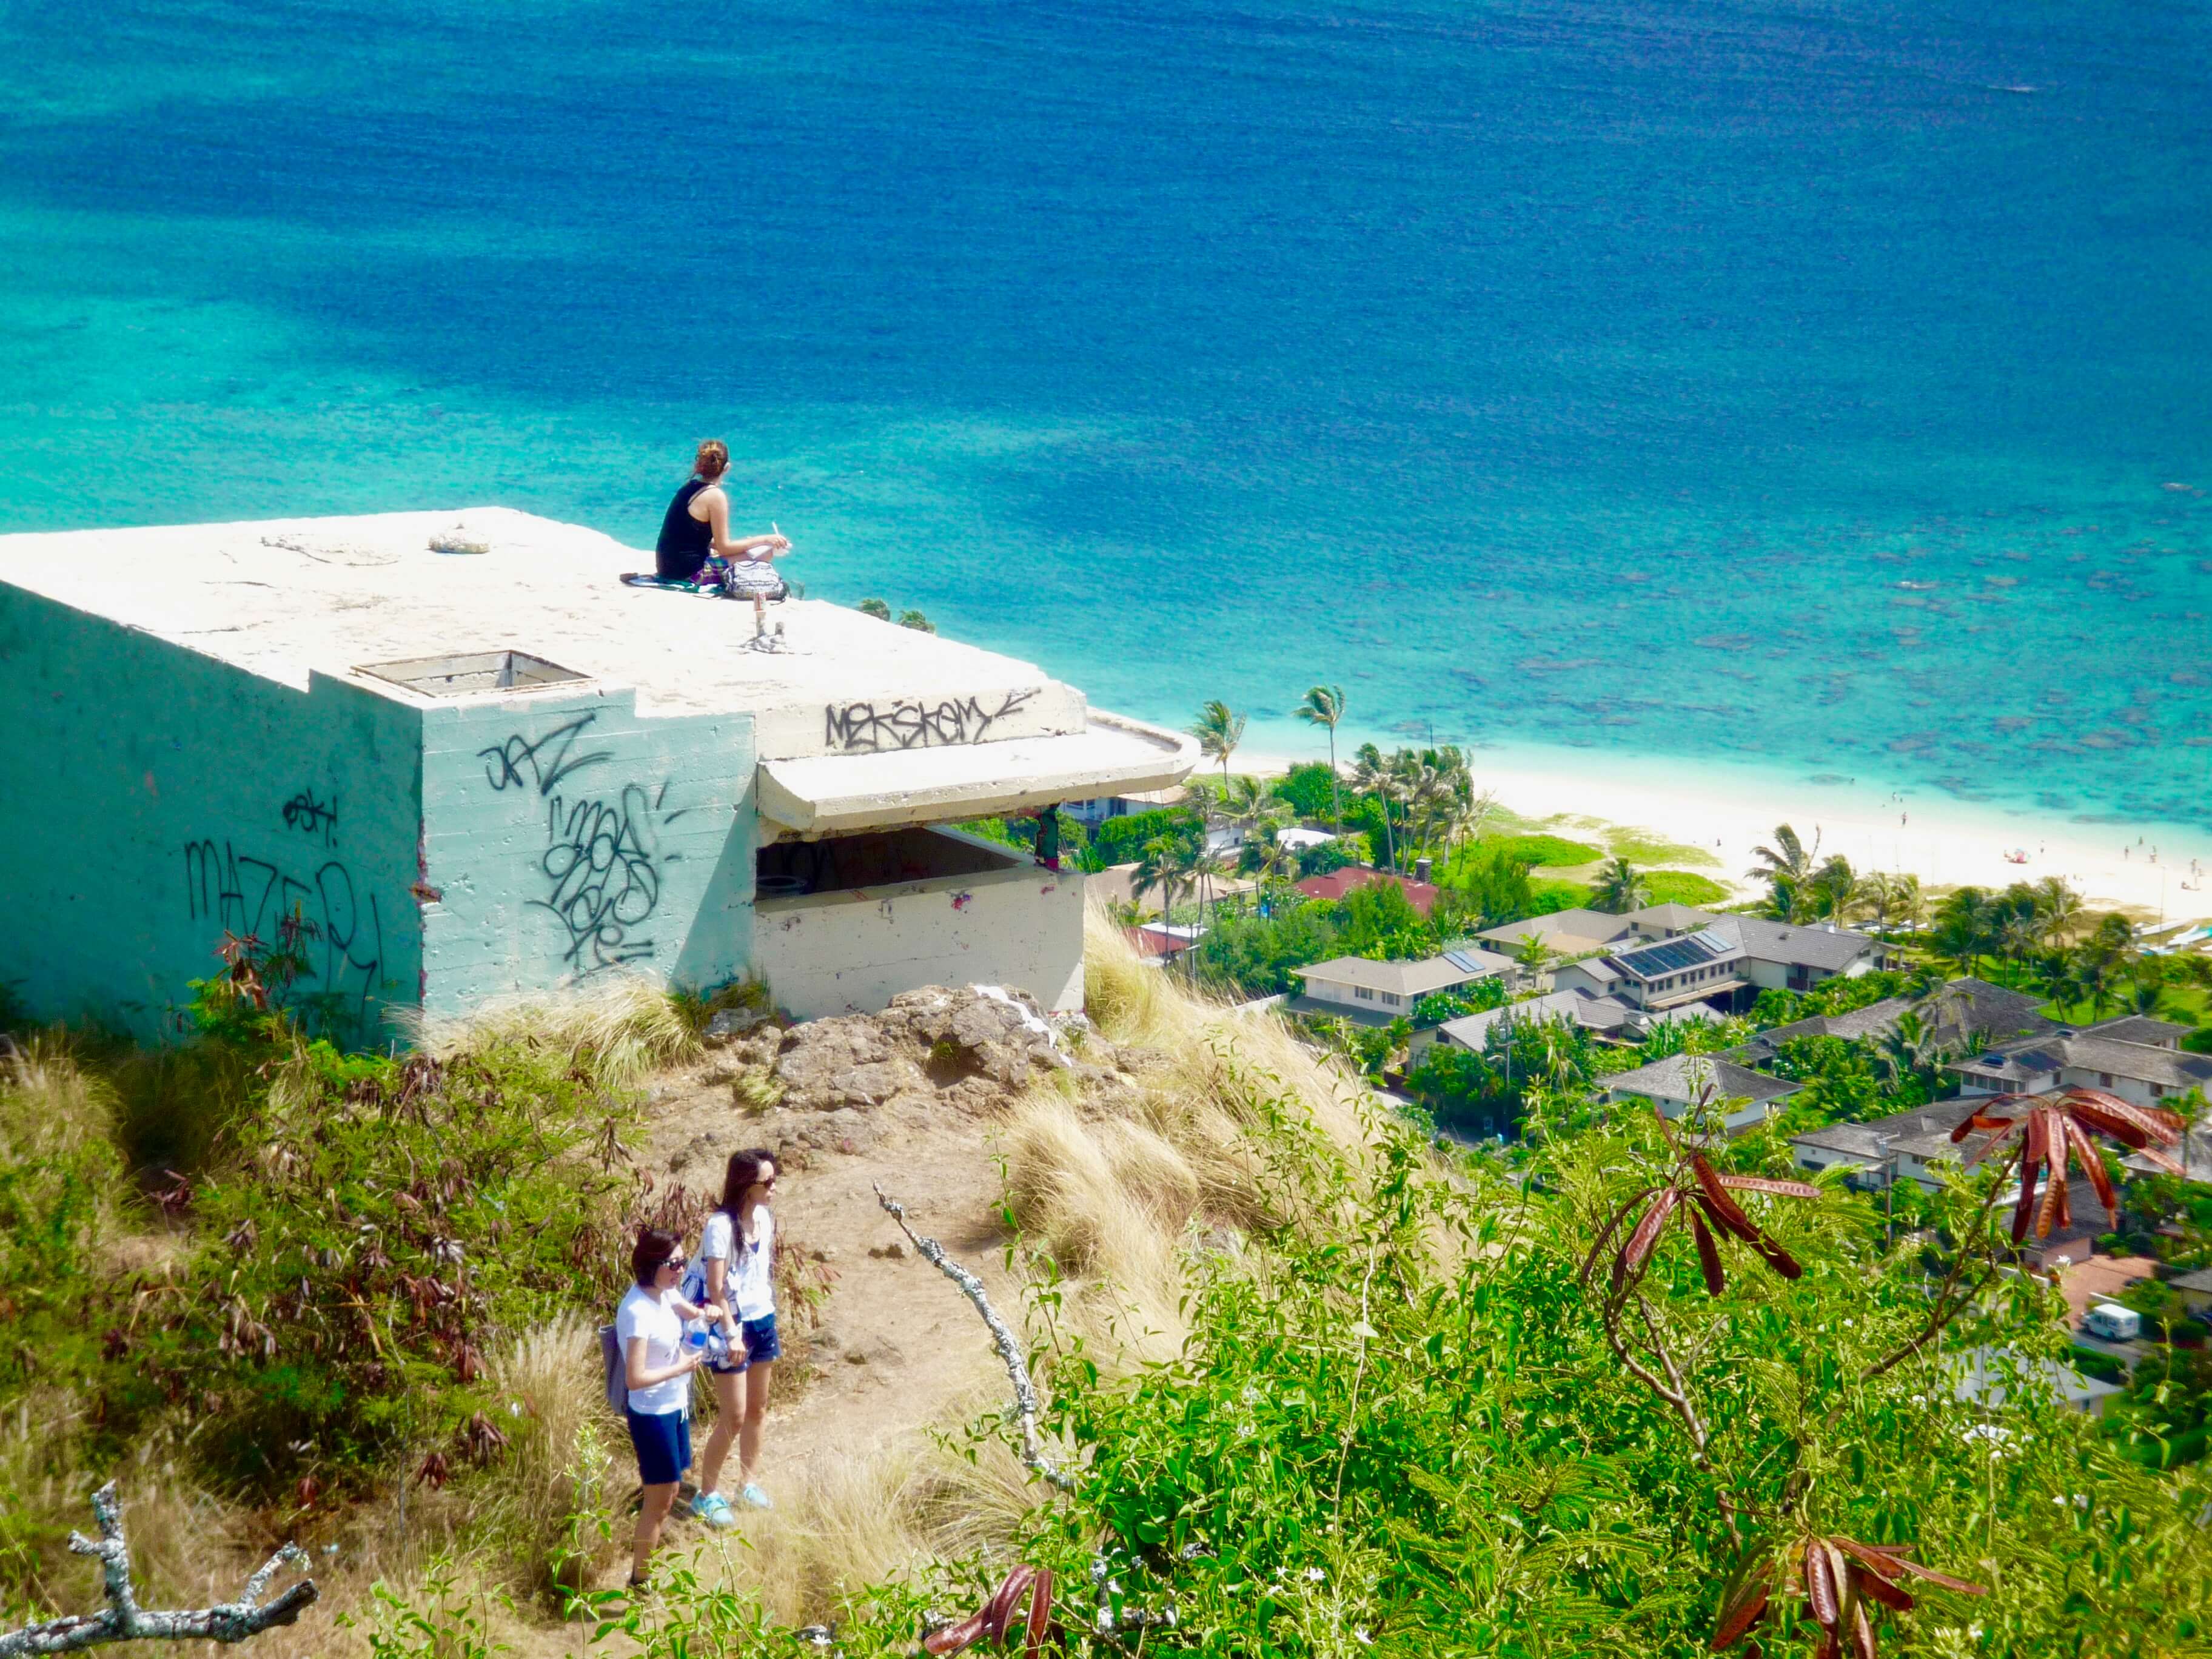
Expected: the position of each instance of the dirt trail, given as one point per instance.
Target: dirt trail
(905, 1098)
(896, 1344)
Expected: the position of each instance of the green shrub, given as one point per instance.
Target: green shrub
(2097, 1364)
(1305, 790)
(1121, 840)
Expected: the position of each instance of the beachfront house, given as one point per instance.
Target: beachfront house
(1684, 954)
(1374, 994)
(2107, 1056)
(1677, 1083)
(1671, 972)
(449, 777)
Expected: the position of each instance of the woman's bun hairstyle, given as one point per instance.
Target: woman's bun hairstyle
(714, 460)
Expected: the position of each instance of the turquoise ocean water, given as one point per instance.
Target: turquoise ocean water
(1823, 385)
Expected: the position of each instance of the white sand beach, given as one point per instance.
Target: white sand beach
(1725, 811)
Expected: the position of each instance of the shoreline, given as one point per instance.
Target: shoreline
(1726, 809)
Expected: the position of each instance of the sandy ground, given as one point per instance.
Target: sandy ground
(1725, 812)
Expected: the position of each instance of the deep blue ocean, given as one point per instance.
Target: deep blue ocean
(1826, 385)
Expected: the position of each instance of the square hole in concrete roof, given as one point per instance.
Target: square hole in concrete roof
(481, 670)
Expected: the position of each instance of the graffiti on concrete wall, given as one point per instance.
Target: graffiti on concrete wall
(313, 818)
(869, 727)
(337, 930)
(601, 863)
(521, 763)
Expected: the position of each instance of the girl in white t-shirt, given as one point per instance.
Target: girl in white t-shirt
(735, 1269)
(657, 1364)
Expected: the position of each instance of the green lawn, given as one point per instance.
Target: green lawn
(1683, 887)
(1542, 850)
(1643, 849)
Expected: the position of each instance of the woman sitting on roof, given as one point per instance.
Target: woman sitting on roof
(694, 543)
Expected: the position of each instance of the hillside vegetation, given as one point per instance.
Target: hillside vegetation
(1310, 1380)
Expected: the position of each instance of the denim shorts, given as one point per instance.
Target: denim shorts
(762, 1345)
(663, 1444)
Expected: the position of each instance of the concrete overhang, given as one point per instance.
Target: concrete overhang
(820, 795)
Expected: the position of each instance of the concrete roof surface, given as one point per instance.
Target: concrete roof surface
(280, 598)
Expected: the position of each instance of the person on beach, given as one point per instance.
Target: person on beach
(735, 1270)
(656, 1366)
(694, 543)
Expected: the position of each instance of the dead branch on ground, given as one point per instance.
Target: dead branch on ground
(123, 1620)
(1002, 1337)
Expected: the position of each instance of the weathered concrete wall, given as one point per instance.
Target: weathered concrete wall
(843, 952)
(565, 838)
(153, 798)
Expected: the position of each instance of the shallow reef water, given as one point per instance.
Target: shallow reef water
(1816, 385)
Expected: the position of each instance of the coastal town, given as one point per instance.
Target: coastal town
(1469, 962)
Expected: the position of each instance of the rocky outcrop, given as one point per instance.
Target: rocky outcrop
(837, 1085)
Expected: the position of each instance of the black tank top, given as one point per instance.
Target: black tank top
(684, 541)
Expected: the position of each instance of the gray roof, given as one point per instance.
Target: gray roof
(1964, 1008)
(1592, 1013)
(1870, 1139)
(2201, 1281)
(1832, 949)
(1668, 918)
(2139, 1028)
(1684, 1077)
(1875, 1019)
(1405, 979)
(1595, 925)
(2090, 1051)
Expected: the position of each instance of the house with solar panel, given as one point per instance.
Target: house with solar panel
(1724, 962)
(1374, 994)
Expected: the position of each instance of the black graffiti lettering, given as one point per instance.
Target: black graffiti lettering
(864, 728)
(338, 937)
(519, 763)
(310, 816)
(604, 881)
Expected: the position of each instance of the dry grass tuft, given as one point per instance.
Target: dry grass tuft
(626, 1027)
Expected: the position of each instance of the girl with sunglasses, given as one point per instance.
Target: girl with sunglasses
(656, 1366)
(735, 1269)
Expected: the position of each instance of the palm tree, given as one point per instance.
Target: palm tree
(1218, 730)
(2056, 905)
(1162, 865)
(1324, 706)
(1373, 775)
(1532, 956)
(1620, 888)
(1786, 867)
(1831, 885)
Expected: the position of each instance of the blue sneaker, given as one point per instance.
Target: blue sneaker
(753, 1497)
(713, 1509)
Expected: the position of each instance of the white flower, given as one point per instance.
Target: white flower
(1251, 1395)
(1359, 1635)
(1315, 1574)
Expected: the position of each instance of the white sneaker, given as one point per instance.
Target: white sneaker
(753, 1497)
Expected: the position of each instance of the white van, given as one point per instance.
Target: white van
(2113, 1322)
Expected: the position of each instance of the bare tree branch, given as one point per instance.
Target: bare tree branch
(125, 1621)
(1002, 1337)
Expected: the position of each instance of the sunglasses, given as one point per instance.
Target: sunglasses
(671, 1261)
